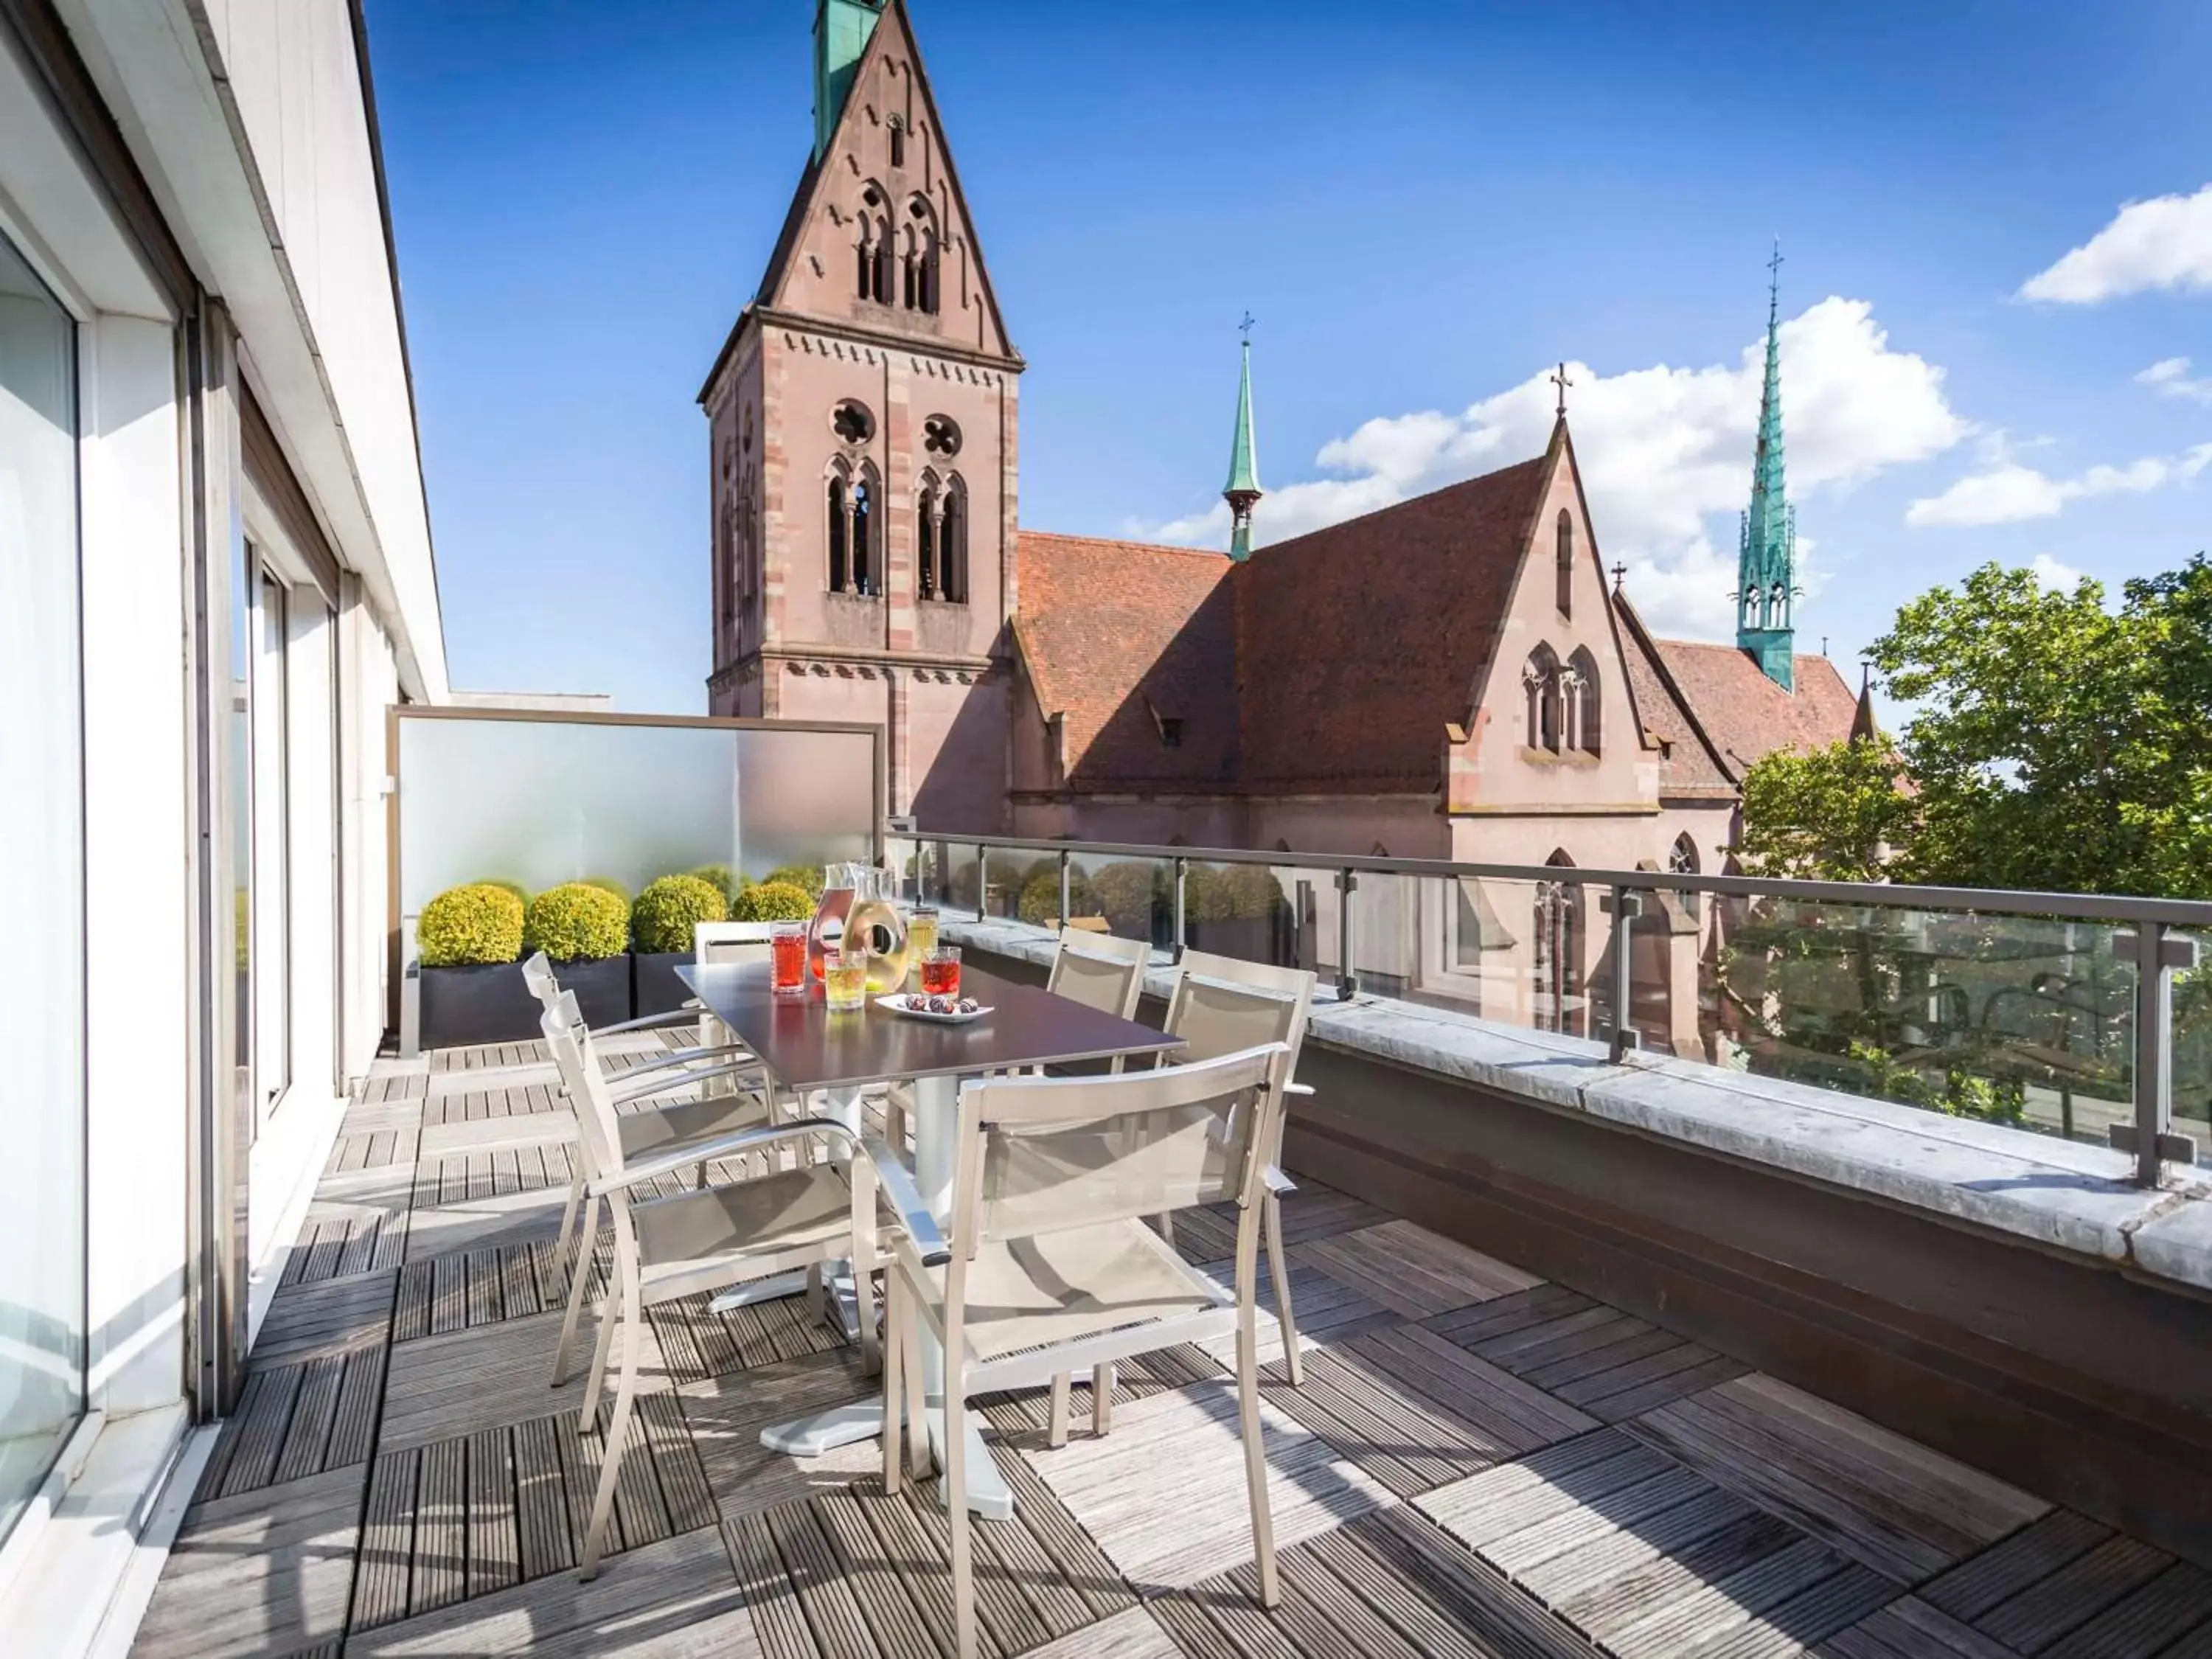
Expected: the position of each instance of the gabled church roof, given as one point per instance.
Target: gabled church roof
(1747, 715)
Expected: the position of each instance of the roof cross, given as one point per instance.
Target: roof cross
(1561, 382)
(1245, 328)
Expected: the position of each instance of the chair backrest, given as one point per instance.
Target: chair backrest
(1218, 1005)
(718, 942)
(538, 975)
(599, 1130)
(1100, 971)
(1043, 1155)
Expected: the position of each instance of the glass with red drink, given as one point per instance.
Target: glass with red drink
(940, 972)
(787, 952)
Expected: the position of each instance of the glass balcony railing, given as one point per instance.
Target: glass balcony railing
(2026, 1010)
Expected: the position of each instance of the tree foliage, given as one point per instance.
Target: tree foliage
(1830, 814)
(2059, 744)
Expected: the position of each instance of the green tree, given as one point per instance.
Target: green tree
(2059, 744)
(1832, 814)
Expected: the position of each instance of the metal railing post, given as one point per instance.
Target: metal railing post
(1347, 972)
(1627, 908)
(983, 873)
(1063, 892)
(1181, 896)
(2157, 954)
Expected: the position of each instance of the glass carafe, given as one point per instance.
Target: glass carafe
(875, 923)
(828, 928)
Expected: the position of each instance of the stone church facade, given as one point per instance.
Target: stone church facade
(1451, 677)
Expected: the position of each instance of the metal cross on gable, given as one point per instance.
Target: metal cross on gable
(1561, 382)
(1244, 328)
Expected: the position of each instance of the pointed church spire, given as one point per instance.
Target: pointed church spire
(1766, 559)
(1242, 491)
(1863, 729)
(841, 29)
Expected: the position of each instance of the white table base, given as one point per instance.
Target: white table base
(936, 1131)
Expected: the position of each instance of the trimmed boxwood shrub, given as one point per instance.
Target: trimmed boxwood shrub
(807, 878)
(1039, 904)
(773, 901)
(1236, 892)
(514, 887)
(578, 920)
(667, 910)
(724, 881)
(1132, 893)
(607, 884)
(480, 922)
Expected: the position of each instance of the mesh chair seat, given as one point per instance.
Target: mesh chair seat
(680, 1237)
(1027, 1294)
(644, 1133)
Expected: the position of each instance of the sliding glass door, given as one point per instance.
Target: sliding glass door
(42, 1101)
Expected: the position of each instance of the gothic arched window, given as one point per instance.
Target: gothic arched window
(918, 287)
(1539, 679)
(863, 533)
(1558, 972)
(840, 535)
(1682, 857)
(1565, 557)
(1579, 692)
(925, 535)
(952, 542)
(874, 246)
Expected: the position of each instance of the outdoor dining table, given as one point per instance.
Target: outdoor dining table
(809, 1050)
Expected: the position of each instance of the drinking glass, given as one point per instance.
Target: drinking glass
(787, 950)
(845, 981)
(940, 971)
(921, 933)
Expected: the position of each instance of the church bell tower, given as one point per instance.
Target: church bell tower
(1242, 491)
(1767, 555)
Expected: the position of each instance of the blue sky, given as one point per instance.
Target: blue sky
(1425, 207)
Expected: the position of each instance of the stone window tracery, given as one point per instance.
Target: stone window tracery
(1563, 557)
(919, 258)
(1578, 696)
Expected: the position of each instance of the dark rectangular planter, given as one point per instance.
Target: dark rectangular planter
(653, 986)
(463, 1006)
(602, 988)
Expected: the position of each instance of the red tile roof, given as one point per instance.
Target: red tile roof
(1747, 715)
(1117, 635)
(1688, 765)
(1358, 643)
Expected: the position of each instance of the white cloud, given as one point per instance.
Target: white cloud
(2008, 493)
(2052, 575)
(2165, 242)
(1661, 450)
(2169, 378)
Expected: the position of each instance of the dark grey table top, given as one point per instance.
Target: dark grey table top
(807, 1046)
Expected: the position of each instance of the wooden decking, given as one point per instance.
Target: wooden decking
(1478, 1464)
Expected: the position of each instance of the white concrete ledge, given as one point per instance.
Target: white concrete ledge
(2060, 1194)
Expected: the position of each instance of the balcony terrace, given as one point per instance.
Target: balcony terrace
(1484, 1460)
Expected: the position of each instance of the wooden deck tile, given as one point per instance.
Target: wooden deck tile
(1132, 1635)
(1897, 1507)
(494, 1375)
(1911, 1629)
(269, 1572)
(1593, 1357)
(1412, 1271)
(725, 1416)
(307, 1320)
(1326, 1311)
(673, 1599)
(1509, 1413)
(1164, 1494)
(1406, 1444)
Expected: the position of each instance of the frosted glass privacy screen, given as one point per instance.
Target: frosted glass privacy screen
(542, 801)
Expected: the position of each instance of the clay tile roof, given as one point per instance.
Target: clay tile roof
(1121, 635)
(1359, 642)
(1746, 715)
(1688, 765)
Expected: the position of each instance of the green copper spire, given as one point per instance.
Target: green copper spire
(841, 29)
(1242, 491)
(1766, 559)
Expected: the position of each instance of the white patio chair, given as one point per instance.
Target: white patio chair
(715, 943)
(1099, 970)
(1052, 1267)
(1217, 1005)
(706, 1240)
(538, 974)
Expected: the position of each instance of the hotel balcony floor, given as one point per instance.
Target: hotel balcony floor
(1479, 1464)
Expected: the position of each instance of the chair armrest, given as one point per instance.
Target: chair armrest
(1305, 1088)
(701, 1151)
(648, 1022)
(684, 1080)
(906, 1198)
(1278, 1183)
(686, 1056)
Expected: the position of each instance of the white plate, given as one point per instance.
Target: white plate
(896, 1002)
